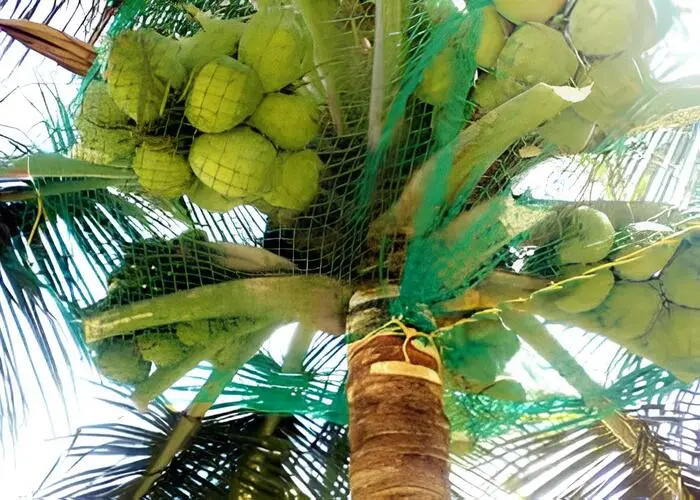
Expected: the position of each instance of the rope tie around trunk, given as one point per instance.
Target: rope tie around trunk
(399, 435)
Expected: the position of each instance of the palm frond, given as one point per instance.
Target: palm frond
(576, 462)
(73, 17)
(672, 421)
(300, 448)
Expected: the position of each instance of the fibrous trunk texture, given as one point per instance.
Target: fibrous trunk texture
(399, 435)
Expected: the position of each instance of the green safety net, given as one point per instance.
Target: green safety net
(467, 183)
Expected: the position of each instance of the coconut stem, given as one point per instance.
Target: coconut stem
(58, 188)
(313, 300)
(247, 338)
(186, 427)
(476, 148)
(318, 16)
(55, 165)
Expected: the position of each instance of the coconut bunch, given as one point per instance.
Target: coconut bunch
(525, 42)
(256, 127)
(107, 134)
(475, 354)
(129, 360)
(249, 124)
(638, 287)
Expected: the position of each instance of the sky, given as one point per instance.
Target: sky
(22, 111)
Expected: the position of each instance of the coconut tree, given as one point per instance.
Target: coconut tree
(397, 224)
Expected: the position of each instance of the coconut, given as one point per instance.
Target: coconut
(628, 312)
(506, 389)
(224, 93)
(277, 47)
(102, 145)
(647, 262)
(536, 53)
(290, 121)
(568, 131)
(522, 11)
(99, 108)
(295, 182)
(681, 279)
(588, 237)
(490, 92)
(194, 332)
(164, 349)
(492, 37)
(674, 342)
(477, 352)
(205, 197)
(617, 84)
(438, 78)
(160, 169)
(605, 27)
(236, 164)
(217, 37)
(141, 69)
(586, 293)
(121, 362)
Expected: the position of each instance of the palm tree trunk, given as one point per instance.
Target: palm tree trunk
(399, 435)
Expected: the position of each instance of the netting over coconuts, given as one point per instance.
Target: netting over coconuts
(263, 121)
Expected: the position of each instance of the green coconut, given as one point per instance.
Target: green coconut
(651, 257)
(492, 37)
(674, 342)
(617, 85)
(295, 182)
(506, 389)
(164, 349)
(681, 279)
(628, 312)
(522, 11)
(276, 45)
(142, 68)
(290, 121)
(477, 352)
(224, 93)
(606, 27)
(490, 92)
(102, 145)
(205, 197)
(536, 53)
(161, 170)
(99, 108)
(570, 132)
(193, 332)
(587, 292)
(237, 164)
(120, 361)
(438, 78)
(588, 236)
(217, 37)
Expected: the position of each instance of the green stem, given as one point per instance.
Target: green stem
(476, 148)
(293, 363)
(186, 427)
(247, 338)
(61, 187)
(387, 52)
(314, 300)
(55, 165)
(318, 15)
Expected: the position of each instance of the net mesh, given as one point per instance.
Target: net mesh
(512, 205)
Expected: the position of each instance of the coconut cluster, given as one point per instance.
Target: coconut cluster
(253, 129)
(638, 286)
(522, 43)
